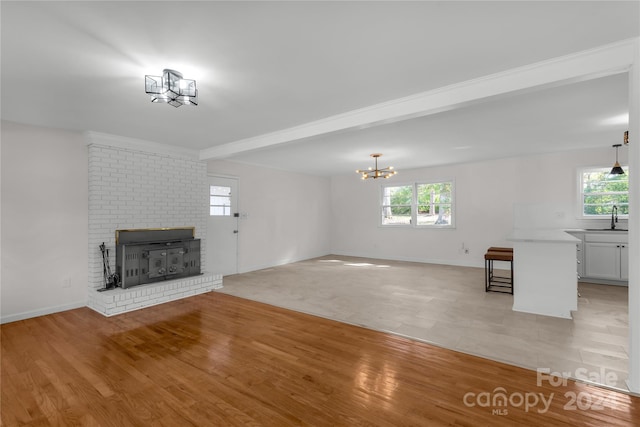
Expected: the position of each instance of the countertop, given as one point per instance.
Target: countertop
(547, 236)
(597, 230)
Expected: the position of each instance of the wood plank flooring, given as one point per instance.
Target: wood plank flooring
(448, 306)
(219, 360)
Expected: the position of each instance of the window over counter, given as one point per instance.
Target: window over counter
(599, 192)
(420, 204)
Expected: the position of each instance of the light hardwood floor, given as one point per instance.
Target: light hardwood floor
(220, 360)
(447, 306)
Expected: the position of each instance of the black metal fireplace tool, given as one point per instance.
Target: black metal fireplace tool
(110, 280)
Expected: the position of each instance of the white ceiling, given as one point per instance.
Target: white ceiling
(266, 66)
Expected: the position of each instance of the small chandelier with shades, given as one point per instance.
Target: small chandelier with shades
(171, 88)
(376, 173)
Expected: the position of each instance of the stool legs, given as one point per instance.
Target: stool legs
(493, 283)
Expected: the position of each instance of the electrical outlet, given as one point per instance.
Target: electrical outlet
(464, 249)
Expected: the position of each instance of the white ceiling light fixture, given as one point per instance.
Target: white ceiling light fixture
(171, 88)
(376, 173)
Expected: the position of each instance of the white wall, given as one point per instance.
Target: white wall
(288, 215)
(44, 221)
(634, 232)
(485, 193)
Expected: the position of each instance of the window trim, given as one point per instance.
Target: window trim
(414, 204)
(580, 195)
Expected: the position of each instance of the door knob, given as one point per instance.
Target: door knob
(235, 231)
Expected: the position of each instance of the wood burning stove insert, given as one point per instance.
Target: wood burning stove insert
(151, 255)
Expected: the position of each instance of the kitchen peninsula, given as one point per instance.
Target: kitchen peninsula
(545, 276)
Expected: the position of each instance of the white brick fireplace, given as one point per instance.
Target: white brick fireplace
(136, 184)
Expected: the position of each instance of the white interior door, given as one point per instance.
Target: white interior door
(222, 227)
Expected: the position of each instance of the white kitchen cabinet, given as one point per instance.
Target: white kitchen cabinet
(603, 260)
(606, 256)
(624, 262)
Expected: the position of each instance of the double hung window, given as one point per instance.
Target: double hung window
(599, 192)
(420, 204)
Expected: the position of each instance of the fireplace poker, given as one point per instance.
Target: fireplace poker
(110, 280)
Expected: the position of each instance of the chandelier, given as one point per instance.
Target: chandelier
(376, 173)
(171, 88)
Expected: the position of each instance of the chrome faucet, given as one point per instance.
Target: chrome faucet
(613, 223)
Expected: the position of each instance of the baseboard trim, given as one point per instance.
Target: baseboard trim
(41, 312)
(410, 259)
(279, 263)
(603, 282)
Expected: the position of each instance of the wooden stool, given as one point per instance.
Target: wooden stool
(499, 249)
(493, 283)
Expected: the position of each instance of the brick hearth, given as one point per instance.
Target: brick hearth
(118, 300)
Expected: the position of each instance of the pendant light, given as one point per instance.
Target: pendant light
(617, 169)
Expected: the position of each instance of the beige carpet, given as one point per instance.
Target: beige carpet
(447, 306)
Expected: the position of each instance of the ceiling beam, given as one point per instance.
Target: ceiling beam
(602, 61)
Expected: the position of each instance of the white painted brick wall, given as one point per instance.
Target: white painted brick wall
(135, 189)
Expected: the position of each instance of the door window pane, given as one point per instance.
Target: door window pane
(219, 200)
